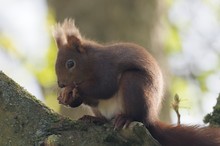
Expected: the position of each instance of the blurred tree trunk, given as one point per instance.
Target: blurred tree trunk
(139, 21)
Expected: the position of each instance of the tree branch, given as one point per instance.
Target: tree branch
(26, 121)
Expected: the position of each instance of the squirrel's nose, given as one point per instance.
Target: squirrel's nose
(61, 85)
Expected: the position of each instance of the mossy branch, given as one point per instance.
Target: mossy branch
(26, 121)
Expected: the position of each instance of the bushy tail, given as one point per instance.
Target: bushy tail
(185, 135)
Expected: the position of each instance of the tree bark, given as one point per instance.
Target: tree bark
(25, 121)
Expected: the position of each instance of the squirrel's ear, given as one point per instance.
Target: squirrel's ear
(59, 42)
(59, 35)
(67, 35)
(74, 42)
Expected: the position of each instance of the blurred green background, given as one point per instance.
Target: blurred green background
(183, 35)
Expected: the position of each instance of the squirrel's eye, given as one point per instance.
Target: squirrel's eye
(70, 64)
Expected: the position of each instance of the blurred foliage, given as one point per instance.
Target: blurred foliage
(172, 42)
(8, 45)
(213, 6)
(202, 79)
(6, 42)
(47, 76)
(214, 118)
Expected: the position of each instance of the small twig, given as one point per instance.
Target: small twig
(175, 106)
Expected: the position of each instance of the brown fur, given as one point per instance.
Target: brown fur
(121, 81)
(182, 135)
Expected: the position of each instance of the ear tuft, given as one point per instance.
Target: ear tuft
(70, 28)
(59, 35)
(63, 34)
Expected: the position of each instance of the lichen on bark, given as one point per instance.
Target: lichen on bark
(25, 121)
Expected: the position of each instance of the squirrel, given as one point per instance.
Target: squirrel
(120, 81)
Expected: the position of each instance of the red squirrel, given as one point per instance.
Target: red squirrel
(121, 81)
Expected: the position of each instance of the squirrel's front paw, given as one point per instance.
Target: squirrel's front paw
(69, 96)
(65, 96)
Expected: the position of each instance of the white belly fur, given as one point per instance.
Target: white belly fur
(111, 107)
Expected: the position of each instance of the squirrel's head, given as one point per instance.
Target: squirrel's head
(71, 57)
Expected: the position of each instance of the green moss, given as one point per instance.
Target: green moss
(214, 118)
(22, 115)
